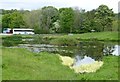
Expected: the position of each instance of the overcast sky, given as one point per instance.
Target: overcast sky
(36, 4)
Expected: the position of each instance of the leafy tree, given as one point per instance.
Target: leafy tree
(66, 20)
(16, 20)
(32, 20)
(6, 21)
(104, 17)
(78, 19)
(119, 21)
(56, 27)
(116, 22)
(8, 11)
(0, 23)
(42, 19)
(89, 22)
(13, 20)
(49, 15)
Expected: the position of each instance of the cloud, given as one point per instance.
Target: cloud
(35, 4)
(119, 6)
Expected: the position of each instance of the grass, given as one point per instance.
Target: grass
(20, 64)
(72, 39)
(103, 36)
(26, 65)
(11, 40)
(0, 64)
(109, 36)
(64, 41)
(0, 18)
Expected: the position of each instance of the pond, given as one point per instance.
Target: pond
(84, 53)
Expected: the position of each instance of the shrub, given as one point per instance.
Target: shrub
(37, 39)
(65, 41)
(11, 40)
(7, 43)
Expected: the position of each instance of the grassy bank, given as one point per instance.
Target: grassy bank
(104, 36)
(75, 38)
(20, 64)
(60, 39)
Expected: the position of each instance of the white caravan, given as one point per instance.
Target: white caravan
(23, 31)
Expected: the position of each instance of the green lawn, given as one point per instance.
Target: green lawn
(98, 35)
(20, 64)
(0, 64)
(109, 36)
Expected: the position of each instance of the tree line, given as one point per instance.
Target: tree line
(64, 20)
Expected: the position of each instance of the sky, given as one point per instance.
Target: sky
(36, 4)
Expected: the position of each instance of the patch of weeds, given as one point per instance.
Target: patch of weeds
(64, 41)
(11, 40)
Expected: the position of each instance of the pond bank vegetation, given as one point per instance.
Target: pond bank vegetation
(20, 64)
(69, 40)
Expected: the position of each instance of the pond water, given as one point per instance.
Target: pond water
(85, 52)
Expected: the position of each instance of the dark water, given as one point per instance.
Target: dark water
(85, 53)
(93, 49)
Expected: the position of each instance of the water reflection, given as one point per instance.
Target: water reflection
(116, 51)
(108, 49)
(81, 61)
(93, 49)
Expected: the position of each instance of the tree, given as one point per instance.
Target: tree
(13, 20)
(6, 21)
(42, 19)
(116, 21)
(49, 15)
(16, 20)
(104, 17)
(89, 22)
(32, 20)
(8, 11)
(56, 27)
(79, 18)
(66, 20)
(0, 23)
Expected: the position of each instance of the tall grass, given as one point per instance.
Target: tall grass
(65, 41)
(11, 40)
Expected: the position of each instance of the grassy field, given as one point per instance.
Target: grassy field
(102, 36)
(20, 64)
(109, 36)
(86, 36)
(0, 18)
(60, 39)
(0, 64)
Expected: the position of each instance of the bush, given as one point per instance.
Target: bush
(37, 39)
(64, 41)
(11, 40)
(7, 43)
